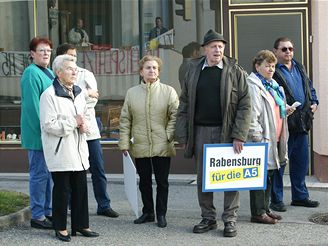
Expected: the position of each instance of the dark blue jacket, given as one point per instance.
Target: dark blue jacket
(301, 120)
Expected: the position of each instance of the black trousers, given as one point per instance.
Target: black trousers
(161, 167)
(70, 185)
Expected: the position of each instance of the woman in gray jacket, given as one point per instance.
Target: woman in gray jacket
(269, 125)
(147, 126)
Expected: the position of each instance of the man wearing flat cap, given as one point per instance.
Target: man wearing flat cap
(215, 107)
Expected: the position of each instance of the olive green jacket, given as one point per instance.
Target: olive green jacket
(235, 104)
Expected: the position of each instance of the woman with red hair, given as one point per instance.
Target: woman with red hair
(36, 78)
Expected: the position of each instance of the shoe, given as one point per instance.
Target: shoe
(109, 213)
(273, 215)
(264, 219)
(62, 237)
(49, 217)
(229, 229)
(145, 218)
(161, 221)
(279, 207)
(41, 224)
(205, 225)
(85, 232)
(305, 203)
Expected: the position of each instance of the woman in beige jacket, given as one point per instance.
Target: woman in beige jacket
(146, 129)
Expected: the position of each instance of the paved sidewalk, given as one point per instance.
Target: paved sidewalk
(311, 181)
(183, 213)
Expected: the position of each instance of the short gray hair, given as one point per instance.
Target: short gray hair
(58, 63)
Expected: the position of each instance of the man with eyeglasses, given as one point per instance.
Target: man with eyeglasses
(298, 87)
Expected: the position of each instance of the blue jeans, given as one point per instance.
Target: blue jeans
(298, 154)
(40, 185)
(277, 189)
(99, 180)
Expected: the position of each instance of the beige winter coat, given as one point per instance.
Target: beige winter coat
(148, 120)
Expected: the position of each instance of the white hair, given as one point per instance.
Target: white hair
(58, 63)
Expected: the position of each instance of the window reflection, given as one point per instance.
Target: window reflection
(106, 34)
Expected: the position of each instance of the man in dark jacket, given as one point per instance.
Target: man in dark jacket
(158, 29)
(298, 87)
(215, 107)
(189, 52)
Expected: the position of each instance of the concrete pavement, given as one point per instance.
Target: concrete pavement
(183, 213)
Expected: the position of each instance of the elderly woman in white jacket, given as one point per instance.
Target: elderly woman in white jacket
(87, 82)
(147, 126)
(63, 129)
(269, 124)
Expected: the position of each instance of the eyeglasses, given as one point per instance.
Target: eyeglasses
(44, 51)
(291, 49)
(71, 69)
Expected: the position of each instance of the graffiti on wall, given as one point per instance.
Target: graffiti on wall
(100, 62)
(110, 62)
(13, 63)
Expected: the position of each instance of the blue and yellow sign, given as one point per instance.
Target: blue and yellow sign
(223, 170)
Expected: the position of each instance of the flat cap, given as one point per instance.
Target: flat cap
(213, 36)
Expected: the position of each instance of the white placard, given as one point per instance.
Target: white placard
(130, 183)
(223, 170)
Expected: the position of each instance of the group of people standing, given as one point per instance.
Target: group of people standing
(219, 103)
(61, 134)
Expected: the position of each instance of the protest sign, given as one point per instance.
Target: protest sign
(130, 183)
(223, 170)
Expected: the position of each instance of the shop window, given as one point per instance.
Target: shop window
(110, 49)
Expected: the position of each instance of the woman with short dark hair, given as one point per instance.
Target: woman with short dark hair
(268, 125)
